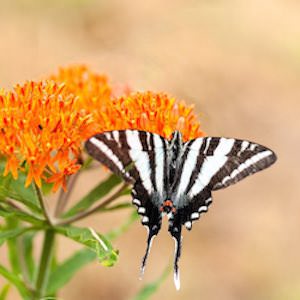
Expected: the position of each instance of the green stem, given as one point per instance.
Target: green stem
(42, 204)
(44, 266)
(90, 211)
(64, 196)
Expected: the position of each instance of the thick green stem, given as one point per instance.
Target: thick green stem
(44, 266)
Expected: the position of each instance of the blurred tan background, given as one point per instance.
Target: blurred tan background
(239, 62)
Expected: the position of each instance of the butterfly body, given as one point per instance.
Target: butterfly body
(176, 178)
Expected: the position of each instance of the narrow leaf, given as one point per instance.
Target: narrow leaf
(94, 195)
(149, 289)
(6, 234)
(107, 256)
(87, 163)
(4, 292)
(65, 272)
(115, 233)
(116, 207)
(27, 243)
(14, 279)
(7, 211)
(47, 188)
(12, 225)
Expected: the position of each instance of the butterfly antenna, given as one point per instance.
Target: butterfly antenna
(149, 243)
(177, 238)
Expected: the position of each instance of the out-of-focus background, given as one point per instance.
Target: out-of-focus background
(239, 62)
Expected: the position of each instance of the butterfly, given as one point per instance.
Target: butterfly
(175, 178)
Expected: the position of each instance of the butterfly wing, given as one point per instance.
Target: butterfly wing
(212, 163)
(140, 158)
(208, 164)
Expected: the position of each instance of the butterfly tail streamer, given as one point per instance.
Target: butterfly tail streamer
(178, 241)
(151, 236)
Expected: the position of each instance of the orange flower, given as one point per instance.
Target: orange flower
(43, 124)
(92, 89)
(42, 130)
(156, 112)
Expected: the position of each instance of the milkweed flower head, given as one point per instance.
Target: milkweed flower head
(41, 129)
(155, 112)
(43, 125)
(92, 89)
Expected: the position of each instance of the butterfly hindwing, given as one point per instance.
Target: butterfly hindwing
(151, 216)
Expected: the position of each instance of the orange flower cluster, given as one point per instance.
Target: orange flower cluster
(92, 89)
(43, 125)
(41, 129)
(155, 112)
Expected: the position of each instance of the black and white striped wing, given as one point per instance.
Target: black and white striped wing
(140, 158)
(212, 163)
(131, 154)
(227, 161)
(209, 164)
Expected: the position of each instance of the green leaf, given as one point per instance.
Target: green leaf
(149, 289)
(116, 207)
(27, 243)
(126, 192)
(94, 195)
(14, 279)
(4, 291)
(46, 188)
(6, 234)
(8, 211)
(15, 189)
(12, 225)
(87, 163)
(107, 256)
(113, 234)
(65, 272)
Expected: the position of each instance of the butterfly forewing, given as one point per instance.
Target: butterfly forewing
(244, 159)
(128, 153)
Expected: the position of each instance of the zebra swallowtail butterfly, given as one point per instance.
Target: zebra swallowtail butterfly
(173, 177)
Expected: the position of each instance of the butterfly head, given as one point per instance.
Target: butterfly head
(168, 207)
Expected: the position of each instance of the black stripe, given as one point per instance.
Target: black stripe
(197, 168)
(121, 152)
(178, 172)
(143, 139)
(213, 144)
(102, 157)
(165, 162)
(236, 148)
(235, 161)
(123, 139)
(151, 155)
